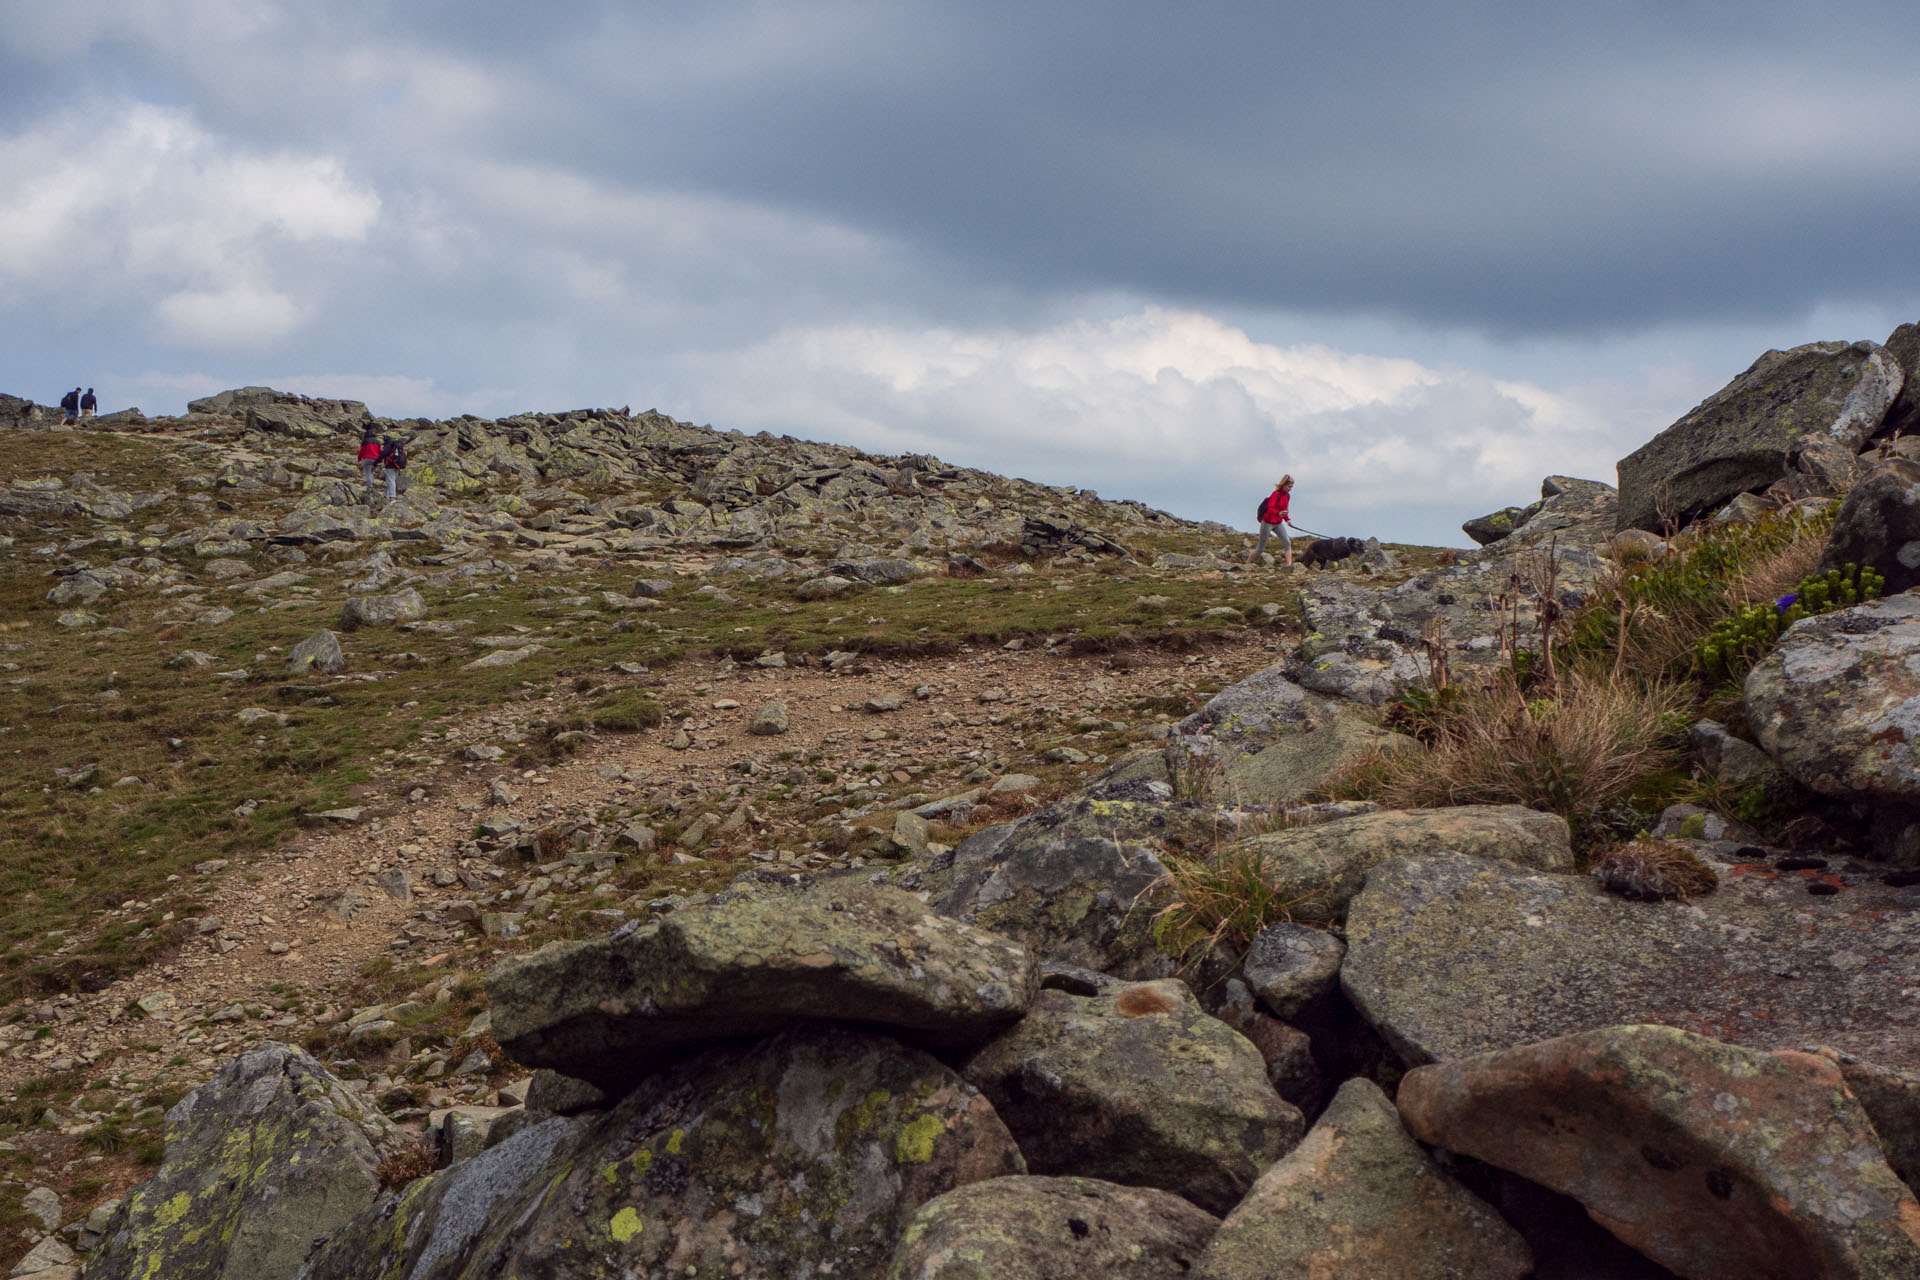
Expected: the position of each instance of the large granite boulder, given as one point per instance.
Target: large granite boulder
(1715, 1161)
(1836, 702)
(803, 1155)
(1262, 706)
(1903, 415)
(1049, 1228)
(1449, 956)
(1743, 437)
(612, 1009)
(1318, 869)
(284, 412)
(1075, 882)
(1879, 524)
(263, 1160)
(1137, 1085)
(1358, 1197)
(1297, 764)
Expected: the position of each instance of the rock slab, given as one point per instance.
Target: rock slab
(1717, 1162)
(1358, 1197)
(609, 1010)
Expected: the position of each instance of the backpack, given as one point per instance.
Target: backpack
(1263, 514)
(395, 455)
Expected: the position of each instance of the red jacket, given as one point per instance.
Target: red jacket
(1275, 509)
(370, 451)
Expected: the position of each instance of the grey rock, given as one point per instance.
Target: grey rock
(1261, 706)
(1497, 525)
(1025, 1228)
(1358, 1197)
(319, 652)
(1449, 956)
(1294, 765)
(270, 1155)
(400, 606)
(770, 720)
(1289, 966)
(827, 587)
(1137, 1085)
(610, 1010)
(1879, 524)
(1744, 436)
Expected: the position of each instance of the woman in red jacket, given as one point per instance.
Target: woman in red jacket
(369, 456)
(1273, 519)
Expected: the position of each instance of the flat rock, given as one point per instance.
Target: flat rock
(1266, 703)
(1319, 868)
(1137, 1085)
(387, 610)
(1026, 1228)
(270, 1154)
(806, 1154)
(1358, 1197)
(1718, 1162)
(1836, 702)
(1450, 956)
(1744, 435)
(1294, 765)
(612, 1009)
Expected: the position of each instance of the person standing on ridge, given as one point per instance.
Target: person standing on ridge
(70, 405)
(369, 455)
(393, 456)
(1273, 519)
(89, 404)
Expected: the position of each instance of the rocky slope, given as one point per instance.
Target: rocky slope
(916, 1019)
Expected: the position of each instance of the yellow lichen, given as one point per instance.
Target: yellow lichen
(915, 1143)
(674, 1140)
(625, 1225)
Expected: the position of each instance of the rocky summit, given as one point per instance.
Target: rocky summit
(636, 849)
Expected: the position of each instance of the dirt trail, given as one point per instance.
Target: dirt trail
(268, 934)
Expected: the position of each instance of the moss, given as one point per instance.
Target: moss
(914, 1145)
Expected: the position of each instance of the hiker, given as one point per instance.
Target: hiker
(1273, 519)
(393, 456)
(369, 456)
(70, 405)
(89, 404)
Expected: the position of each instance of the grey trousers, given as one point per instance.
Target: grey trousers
(1266, 530)
(367, 468)
(393, 481)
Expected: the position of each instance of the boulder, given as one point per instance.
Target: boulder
(1289, 966)
(404, 605)
(1836, 702)
(318, 652)
(827, 587)
(1296, 764)
(1449, 956)
(1318, 869)
(1497, 525)
(1743, 437)
(1732, 761)
(1074, 882)
(1571, 516)
(1263, 705)
(612, 1009)
(770, 720)
(803, 1155)
(1358, 1197)
(1879, 524)
(1025, 1228)
(1891, 1100)
(284, 412)
(1137, 1085)
(264, 1159)
(1715, 1161)
(1903, 415)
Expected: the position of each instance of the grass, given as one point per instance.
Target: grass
(1222, 901)
(1648, 870)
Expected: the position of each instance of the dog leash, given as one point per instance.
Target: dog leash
(1310, 533)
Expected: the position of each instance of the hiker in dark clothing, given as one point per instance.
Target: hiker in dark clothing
(393, 456)
(89, 404)
(70, 405)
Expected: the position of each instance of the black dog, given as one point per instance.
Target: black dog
(1329, 551)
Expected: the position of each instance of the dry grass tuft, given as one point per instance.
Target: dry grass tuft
(1223, 901)
(1647, 870)
(415, 1158)
(1575, 755)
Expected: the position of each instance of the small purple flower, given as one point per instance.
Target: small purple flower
(1785, 603)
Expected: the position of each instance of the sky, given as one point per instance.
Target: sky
(1417, 256)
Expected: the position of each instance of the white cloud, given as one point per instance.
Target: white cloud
(1179, 409)
(140, 206)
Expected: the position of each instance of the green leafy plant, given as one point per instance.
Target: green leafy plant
(1729, 650)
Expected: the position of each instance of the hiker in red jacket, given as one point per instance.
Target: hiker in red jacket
(1273, 519)
(369, 456)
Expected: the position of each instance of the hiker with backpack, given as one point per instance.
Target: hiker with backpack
(369, 456)
(70, 405)
(393, 456)
(1272, 515)
(89, 404)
